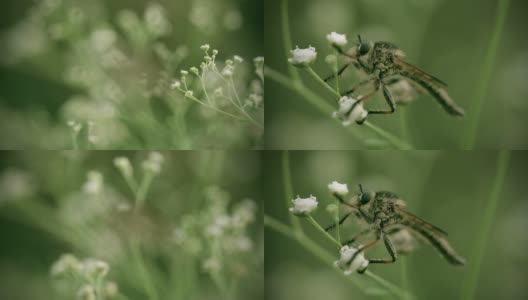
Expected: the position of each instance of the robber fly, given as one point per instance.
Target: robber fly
(383, 211)
(383, 64)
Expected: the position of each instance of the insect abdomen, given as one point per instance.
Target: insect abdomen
(440, 244)
(438, 93)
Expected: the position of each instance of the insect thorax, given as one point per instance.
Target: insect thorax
(383, 208)
(381, 59)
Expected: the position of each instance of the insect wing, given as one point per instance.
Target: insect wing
(415, 221)
(416, 72)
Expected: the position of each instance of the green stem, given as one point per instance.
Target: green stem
(404, 275)
(321, 229)
(286, 40)
(327, 109)
(403, 125)
(336, 220)
(470, 283)
(288, 189)
(322, 82)
(336, 77)
(142, 191)
(146, 279)
(214, 108)
(394, 140)
(328, 258)
(470, 137)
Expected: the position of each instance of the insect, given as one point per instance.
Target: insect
(382, 62)
(383, 211)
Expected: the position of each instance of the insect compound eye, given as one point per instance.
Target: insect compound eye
(364, 198)
(363, 48)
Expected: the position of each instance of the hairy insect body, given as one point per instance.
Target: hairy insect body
(383, 209)
(386, 216)
(382, 62)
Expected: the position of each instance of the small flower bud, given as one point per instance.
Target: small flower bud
(125, 167)
(205, 47)
(189, 94)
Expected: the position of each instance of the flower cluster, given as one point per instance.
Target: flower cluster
(215, 81)
(350, 261)
(88, 276)
(219, 236)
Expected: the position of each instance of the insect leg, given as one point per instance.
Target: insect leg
(339, 72)
(341, 221)
(390, 249)
(390, 102)
(359, 84)
(353, 239)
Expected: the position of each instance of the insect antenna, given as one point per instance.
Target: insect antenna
(360, 188)
(359, 39)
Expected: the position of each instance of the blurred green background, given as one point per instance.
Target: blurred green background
(447, 38)
(45, 212)
(45, 51)
(449, 189)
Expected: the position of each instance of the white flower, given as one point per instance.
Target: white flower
(75, 126)
(348, 114)
(176, 84)
(211, 265)
(238, 59)
(302, 57)
(228, 70)
(344, 263)
(336, 39)
(111, 289)
(205, 47)
(86, 292)
(94, 183)
(95, 269)
(303, 206)
(153, 163)
(189, 94)
(194, 70)
(338, 188)
(67, 264)
(124, 166)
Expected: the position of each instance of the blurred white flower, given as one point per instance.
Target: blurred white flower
(66, 264)
(403, 241)
(103, 39)
(94, 269)
(75, 126)
(156, 20)
(359, 263)
(94, 183)
(349, 111)
(153, 163)
(238, 59)
(189, 94)
(205, 47)
(15, 184)
(211, 265)
(338, 188)
(303, 206)
(86, 292)
(111, 289)
(232, 19)
(302, 57)
(335, 38)
(176, 84)
(125, 167)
